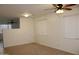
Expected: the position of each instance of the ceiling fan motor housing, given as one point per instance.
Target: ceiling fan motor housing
(59, 6)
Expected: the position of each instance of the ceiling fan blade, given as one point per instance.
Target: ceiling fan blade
(67, 8)
(50, 9)
(69, 5)
(54, 5)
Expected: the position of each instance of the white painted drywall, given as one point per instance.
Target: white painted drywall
(48, 30)
(20, 36)
(53, 36)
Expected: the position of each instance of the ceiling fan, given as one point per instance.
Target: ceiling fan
(61, 7)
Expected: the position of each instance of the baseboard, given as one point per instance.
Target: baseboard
(18, 45)
(57, 49)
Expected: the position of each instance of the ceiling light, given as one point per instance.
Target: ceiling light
(27, 15)
(59, 11)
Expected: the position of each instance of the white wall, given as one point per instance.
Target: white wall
(48, 30)
(20, 36)
(53, 36)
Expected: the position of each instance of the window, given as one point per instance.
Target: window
(71, 25)
(4, 26)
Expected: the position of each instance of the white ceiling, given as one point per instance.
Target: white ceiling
(16, 10)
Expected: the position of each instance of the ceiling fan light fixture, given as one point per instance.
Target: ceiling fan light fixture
(60, 11)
